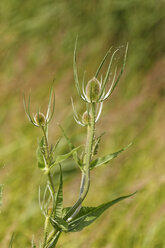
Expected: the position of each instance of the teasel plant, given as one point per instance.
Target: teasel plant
(60, 219)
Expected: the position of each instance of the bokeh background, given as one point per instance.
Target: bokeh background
(36, 47)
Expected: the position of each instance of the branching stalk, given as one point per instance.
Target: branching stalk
(48, 159)
(86, 174)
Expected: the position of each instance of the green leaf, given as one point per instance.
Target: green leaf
(11, 240)
(65, 211)
(59, 197)
(96, 144)
(63, 157)
(54, 241)
(59, 224)
(105, 159)
(39, 154)
(56, 145)
(88, 215)
(71, 146)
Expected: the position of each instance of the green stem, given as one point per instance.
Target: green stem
(48, 239)
(51, 235)
(53, 238)
(46, 146)
(48, 159)
(90, 137)
(45, 231)
(86, 175)
(57, 237)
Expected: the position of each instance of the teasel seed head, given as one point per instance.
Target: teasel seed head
(93, 90)
(40, 119)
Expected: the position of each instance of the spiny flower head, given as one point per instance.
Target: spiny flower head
(39, 119)
(93, 90)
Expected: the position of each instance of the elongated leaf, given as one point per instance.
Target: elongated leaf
(96, 144)
(71, 146)
(65, 211)
(39, 154)
(54, 148)
(11, 240)
(59, 224)
(88, 215)
(105, 159)
(54, 241)
(63, 157)
(59, 197)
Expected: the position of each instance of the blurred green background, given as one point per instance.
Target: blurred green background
(36, 46)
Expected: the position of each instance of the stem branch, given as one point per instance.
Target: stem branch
(47, 159)
(85, 176)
